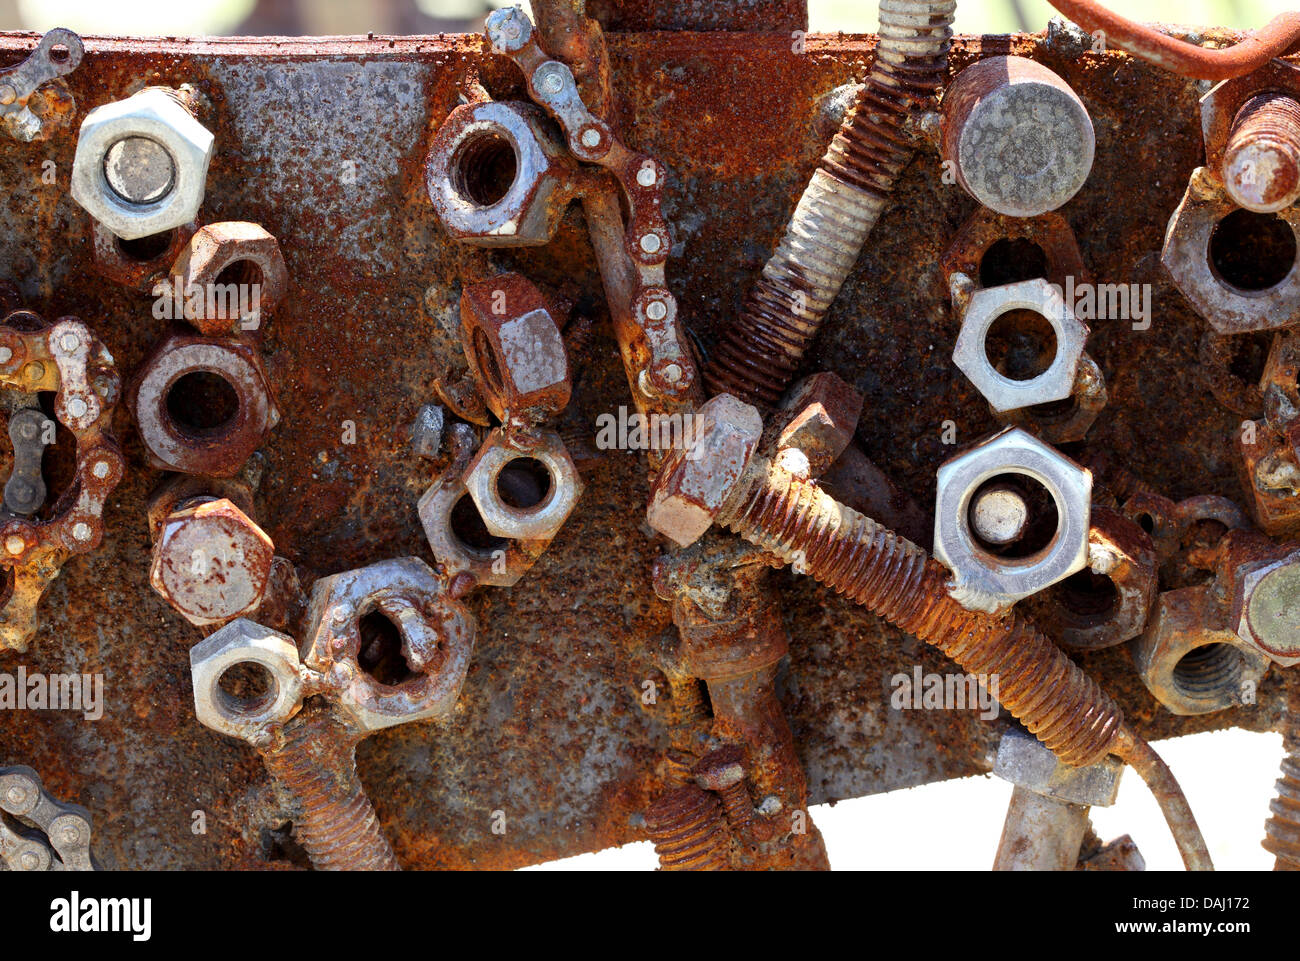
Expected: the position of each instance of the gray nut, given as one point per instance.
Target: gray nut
(245, 642)
(541, 521)
(983, 580)
(141, 164)
(1027, 762)
(1267, 608)
(971, 356)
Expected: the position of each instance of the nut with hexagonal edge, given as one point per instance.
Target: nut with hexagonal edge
(1266, 608)
(817, 418)
(505, 515)
(141, 164)
(227, 278)
(269, 660)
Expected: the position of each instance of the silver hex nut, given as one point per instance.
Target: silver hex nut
(1266, 608)
(1027, 762)
(141, 164)
(982, 579)
(971, 355)
(540, 521)
(274, 657)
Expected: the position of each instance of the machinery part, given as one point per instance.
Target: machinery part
(187, 383)
(1016, 136)
(507, 515)
(781, 315)
(1251, 127)
(1003, 391)
(817, 418)
(67, 827)
(1280, 384)
(688, 832)
(851, 554)
(1188, 255)
(140, 264)
(498, 176)
(57, 54)
(986, 581)
(1048, 815)
(436, 635)
(723, 772)
(211, 562)
(67, 359)
(515, 350)
(427, 430)
(142, 164)
(1068, 421)
(1216, 354)
(262, 667)
(1282, 830)
(1109, 602)
(1270, 475)
(224, 269)
(1188, 657)
(1280, 36)
(993, 249)
(1265, 609)
(24, 491)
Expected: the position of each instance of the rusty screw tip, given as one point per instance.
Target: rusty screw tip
(1261, 165)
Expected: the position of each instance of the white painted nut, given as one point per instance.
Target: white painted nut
(141, 164)
(540, 521)
(971, 353)
(986, 581)
(245, 642)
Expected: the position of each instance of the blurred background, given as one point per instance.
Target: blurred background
(1228, 776)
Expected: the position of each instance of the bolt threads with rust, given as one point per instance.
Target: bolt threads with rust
(686, 827)
(897, 580)
(737, 807)
(760, 351)
(314, 758)
(1282, 829)
(1261, 164)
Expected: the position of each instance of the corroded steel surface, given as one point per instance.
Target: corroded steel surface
(550, 728)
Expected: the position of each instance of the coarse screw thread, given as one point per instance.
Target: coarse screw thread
(1261, 163)
(686, 827)
(1283, 827)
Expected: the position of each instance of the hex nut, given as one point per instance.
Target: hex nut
(154, 116)
(437, 637)
(112, 259)
(694, 483)
(971, 355)
(515, 349)
(221, 450)
(1190, 660)
(541, 521)
(1270, 474)
(245, 642)
(211, 562)
(1050, 233)
(818, 416)
(472, 152)
(983, 580)
(1186, 256)
(1088, 399)
(1027, 762)
(254, 273)
(1266, 608)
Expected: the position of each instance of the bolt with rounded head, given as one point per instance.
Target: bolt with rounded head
(1261, 164)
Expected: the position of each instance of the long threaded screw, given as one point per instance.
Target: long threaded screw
(314, 758)
(688, 832)
(1283, 827)
(1261, 164)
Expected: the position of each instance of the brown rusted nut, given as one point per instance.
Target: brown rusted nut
(1069, 420)
(1190, 660)
(1187, 257)
(1108, 602)
(228, 278)
(168, 496)
(437, 637)
(515, 349)
(499, 176)
(1281, 381)
(1266, 608)
(1048, 234)
(818, 418)
(173, 407)
(211, 562)
(693, 486)
(138, 264)
(1270, 475)
(1260, 175)
(540, 521)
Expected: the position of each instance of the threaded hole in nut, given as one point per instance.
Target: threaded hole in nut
(524, 483)
(486, 359)
(202, 403)
(142, 250)
(1088, 599)
(1012, 261)
(247, 689)
(468, 527)
(1022, 541)
(1020, 345)
(1252, 251)
(381, 655)
(1209, 671)
(484, 169)
(1146, 522)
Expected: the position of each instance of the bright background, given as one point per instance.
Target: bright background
(1228, 776)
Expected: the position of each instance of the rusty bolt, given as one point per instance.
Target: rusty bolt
(211, 562)
(817, 417)
(1267, 608)
(723, 771)
(228, 278)
(1261, 165)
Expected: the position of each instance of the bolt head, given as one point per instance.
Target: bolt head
(1267, 605)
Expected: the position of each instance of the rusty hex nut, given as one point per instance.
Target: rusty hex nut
(515, 349)
(211, 562)
(224, 267)
(1266, 608)
(695, 482)
(540, 521)
(186, 443)
(135, 265)
(274, 658)
(499, 176)
(182, 489)
(818, 416)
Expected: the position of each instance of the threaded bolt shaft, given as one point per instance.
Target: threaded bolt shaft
(314, 758)
(1283, 828)
(686, 827)
(1261, 164)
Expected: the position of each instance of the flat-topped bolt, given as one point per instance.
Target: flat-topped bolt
(999, 515)
(1261, 164)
